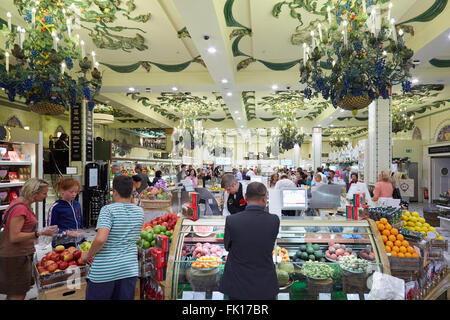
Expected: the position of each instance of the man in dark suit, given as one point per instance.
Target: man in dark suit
(250, 238)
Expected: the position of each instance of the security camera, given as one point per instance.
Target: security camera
(288, 87)
(206, 37)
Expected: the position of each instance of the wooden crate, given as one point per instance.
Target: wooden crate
(406, 275)
(431, 218)
(355, 283)
(405, 264)
(137, 290)
(64, 293)
(314, 287)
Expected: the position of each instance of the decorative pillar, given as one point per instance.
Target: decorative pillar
(380, 128)
(316, 147)
(296, 158)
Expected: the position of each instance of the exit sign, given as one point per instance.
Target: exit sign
(408, 150)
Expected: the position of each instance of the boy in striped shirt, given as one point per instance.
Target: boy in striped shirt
(114, 271)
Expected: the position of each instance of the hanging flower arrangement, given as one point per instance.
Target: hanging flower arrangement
(39, 55)
(356, 54)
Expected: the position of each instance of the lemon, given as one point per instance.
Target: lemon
(418, 224)
(437, 234)
(433, 229)
(407, 213)
(410, 223)
(421, 220)
(426, 225)
(440, 238)
(415, 214)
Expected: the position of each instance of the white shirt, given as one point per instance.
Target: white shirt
(238, 176)
(285, 184)
(324, 178)
(315, 183)
(251, 174)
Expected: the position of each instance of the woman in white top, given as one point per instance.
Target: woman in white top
(317, 180)
(285, 183)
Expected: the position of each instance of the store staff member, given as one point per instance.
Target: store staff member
(234, 198)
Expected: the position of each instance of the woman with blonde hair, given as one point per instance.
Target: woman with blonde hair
(17, 240)
(384, 187)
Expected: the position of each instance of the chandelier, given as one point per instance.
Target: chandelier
(338, 141)
(38, 56)
(356, 54)
(401, 119)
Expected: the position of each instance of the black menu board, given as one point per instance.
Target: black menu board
(89, 135)
(75, 132)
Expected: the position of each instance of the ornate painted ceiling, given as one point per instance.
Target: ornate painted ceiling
(162, 48)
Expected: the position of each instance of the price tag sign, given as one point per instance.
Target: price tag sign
(431, 235)
(366, 296)
(188, 295)
(324, 296)
(217, 295)
(283, 296)
(352, 296)
(199, 295)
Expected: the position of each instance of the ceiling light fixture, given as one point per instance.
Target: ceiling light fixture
(236, 112)
(212, 50)
(131, 89)
(229, 94)
(224, 80)
(26, 128)
(274, 87)
(415, 80)
(174, 89)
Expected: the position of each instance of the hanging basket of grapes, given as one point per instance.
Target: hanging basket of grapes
(48, 108)
(355, 103)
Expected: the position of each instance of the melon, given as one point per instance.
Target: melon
(288, 267)
(283, 277)
(203, 231)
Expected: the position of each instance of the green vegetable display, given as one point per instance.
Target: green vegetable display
(316, 269)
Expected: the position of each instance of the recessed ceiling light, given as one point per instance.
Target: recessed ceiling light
(229, 94)
(131, 89)
(236, 111)
(224, 80)
(274, 87)
(174, 88)
(212, 50)
(26, 128)
(239, 118)
(242, 126)
(415, 80)
(449, 36)
(331, 125)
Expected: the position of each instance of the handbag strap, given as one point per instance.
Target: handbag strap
(7, 212)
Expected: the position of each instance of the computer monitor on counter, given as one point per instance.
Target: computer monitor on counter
(294, 199)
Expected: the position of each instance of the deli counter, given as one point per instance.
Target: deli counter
(300, 239)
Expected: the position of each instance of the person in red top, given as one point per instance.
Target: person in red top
(17, 241)
(384, 187)
(354, 176)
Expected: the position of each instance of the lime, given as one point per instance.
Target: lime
(145, 244)
(139, 243)
(157, 229)
(171, 237)
(163, 229)
(143, 233)
(153, 243)
(168, 233)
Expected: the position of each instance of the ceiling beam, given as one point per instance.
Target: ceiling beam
(204, 26)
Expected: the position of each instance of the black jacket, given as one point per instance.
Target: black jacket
(249, 271)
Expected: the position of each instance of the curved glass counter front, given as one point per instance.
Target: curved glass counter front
(190, 275)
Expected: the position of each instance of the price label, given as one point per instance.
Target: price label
(188, 295)
(431, 235)
(283, 296)
(352, 296)
(217, 295)
(324, 296)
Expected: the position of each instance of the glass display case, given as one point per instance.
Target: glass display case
(345, 254)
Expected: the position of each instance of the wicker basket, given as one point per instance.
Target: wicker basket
(355, 103)
(48, 108)
(156, 204)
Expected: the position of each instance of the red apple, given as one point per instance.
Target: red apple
(76, 254)
(68, 257)
(71, 249)
(41, 269)
(43, 260)
(49, 262)
(59, 248)
(73, 263)
(44, 272)
(48, 255)
(54, 256)
(52, 267)
(79, 262)
(63, 265)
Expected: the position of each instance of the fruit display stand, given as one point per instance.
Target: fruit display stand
(315, 233)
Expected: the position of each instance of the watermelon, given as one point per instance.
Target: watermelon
(302, 248)
(316, 247)
(304, 256)
(203, 231)
(298, 254)
(318, 254)
(311, 257)
(310, 250)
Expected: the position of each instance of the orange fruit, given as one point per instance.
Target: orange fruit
(388, 249)
(400, 237)
(384, 238)
(403, 249)
(377, 222)
(394, 254)
(392, 238)
(388, 226)
(383, 221)
(415, 255)
(401, 255)
(380, 226)
(410, 250)
(405, 243)
(408, 255)
(394, 231)
(398, 243)
(386, 232)
(389, 244)
(395, 249)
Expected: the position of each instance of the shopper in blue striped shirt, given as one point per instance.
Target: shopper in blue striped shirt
(114, 271)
